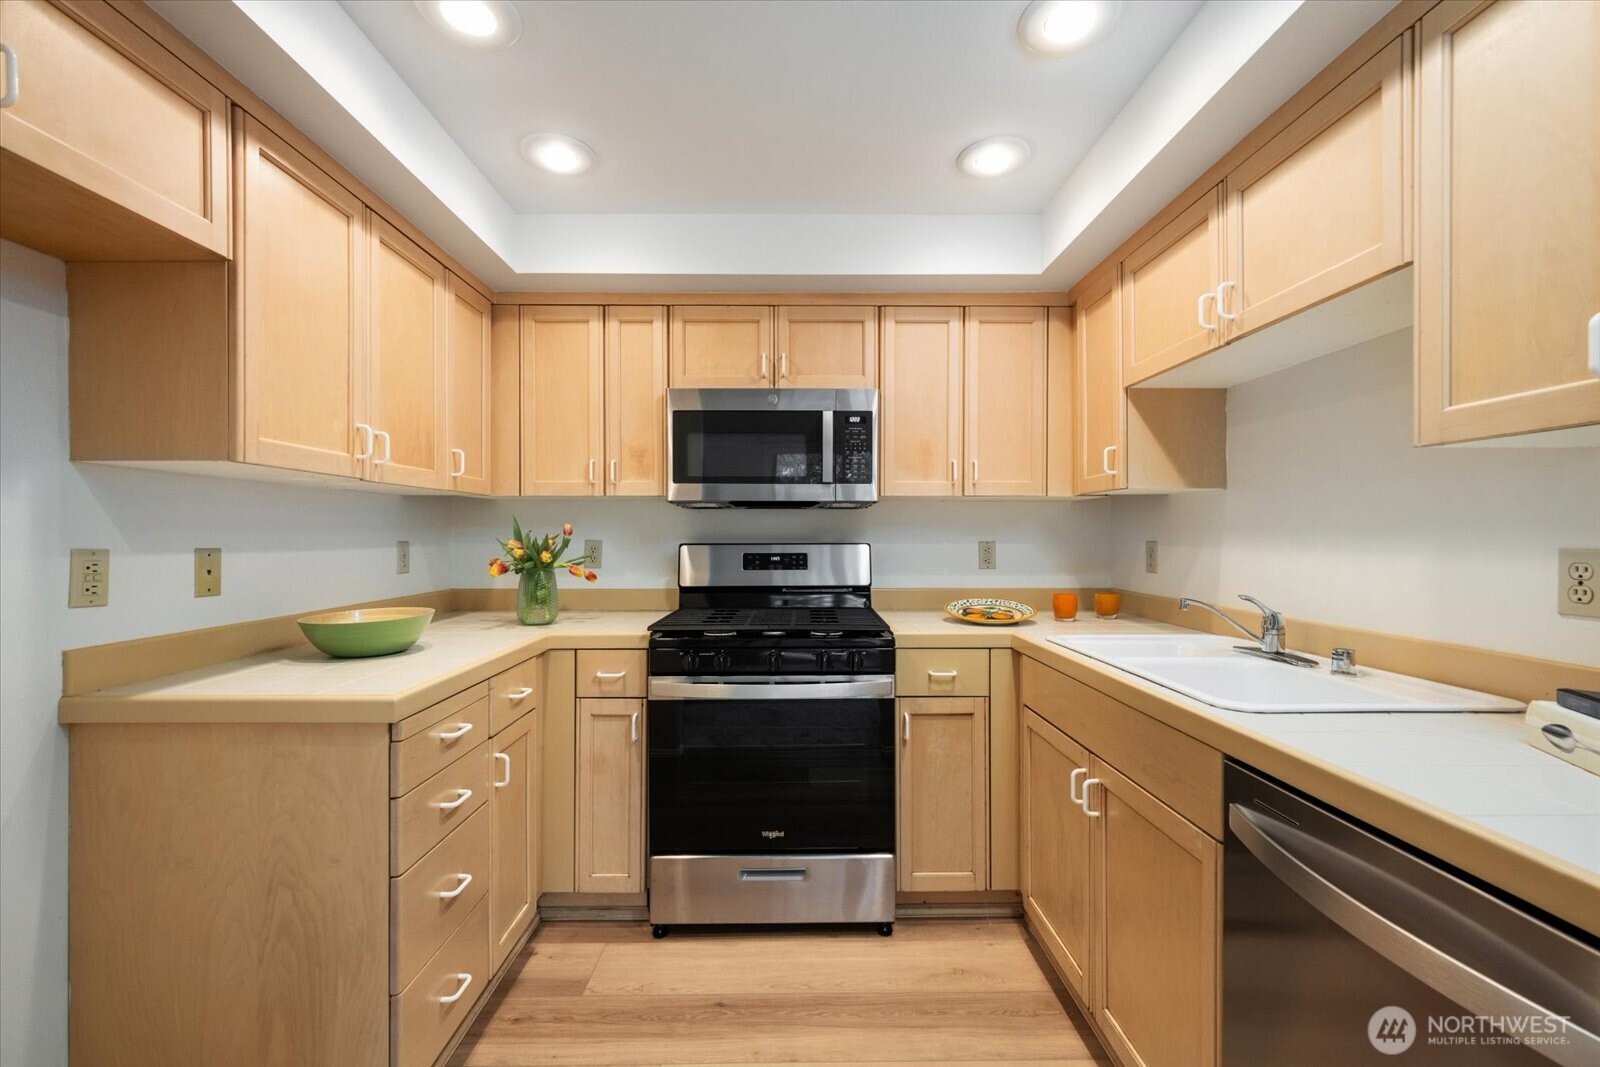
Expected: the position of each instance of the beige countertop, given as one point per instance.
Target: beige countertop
(1461, 786)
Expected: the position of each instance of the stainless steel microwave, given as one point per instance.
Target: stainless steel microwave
(772, 448)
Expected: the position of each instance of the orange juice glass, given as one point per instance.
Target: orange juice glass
(1065, 606)
(1107, 605)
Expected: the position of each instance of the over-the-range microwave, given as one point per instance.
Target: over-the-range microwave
(772, 448)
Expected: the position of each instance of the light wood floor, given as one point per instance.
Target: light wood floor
(938, 991)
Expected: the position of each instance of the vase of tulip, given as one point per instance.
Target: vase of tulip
(534, 562)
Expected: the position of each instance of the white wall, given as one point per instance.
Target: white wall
(1331, 514)
(284, 549)
(1054, 544)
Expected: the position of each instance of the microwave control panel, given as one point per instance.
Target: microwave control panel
(852, 447)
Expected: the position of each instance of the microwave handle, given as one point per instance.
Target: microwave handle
(827, 447)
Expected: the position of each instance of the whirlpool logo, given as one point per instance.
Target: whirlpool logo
(1391, 1030)
(772, 835)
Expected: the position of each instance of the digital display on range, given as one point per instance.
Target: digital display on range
(776, 561)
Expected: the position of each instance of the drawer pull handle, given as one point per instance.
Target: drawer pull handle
(1084, 802)
(1072, 784)
(906, 729)
(633, 726)
(462, 881)
(498, 782)
(462, 796)
(461, 730)
(461, 990)
(946, 675)
(520, 694)
(610, 676)
(13, 79)
(772, 874)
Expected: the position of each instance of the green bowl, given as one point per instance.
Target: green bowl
(367, 632)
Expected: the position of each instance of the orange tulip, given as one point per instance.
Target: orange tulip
(497, 567)
(567, 529)
(575, 570)
(591, 576)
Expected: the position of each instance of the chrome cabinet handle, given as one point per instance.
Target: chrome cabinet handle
(613, 472)
(501, 783)
(1072, 784)
(772, 874)
(1105, 459)
(365, 452)
(591, 471)
(1200, 310)
(633, 726)
(461, 730)
(520, 694)
(905, 733)
(460, 468)
(462, 796)
(1594, 345)
(1084, 801)
(13, 79)
(1222, 300)
(465, 980)
(462, 881)
(764, 373)
(388, 452)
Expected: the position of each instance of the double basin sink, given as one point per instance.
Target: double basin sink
(1211, 670)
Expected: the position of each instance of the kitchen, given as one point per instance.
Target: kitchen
(1290, 300)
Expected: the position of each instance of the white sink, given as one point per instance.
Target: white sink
(1210, 670)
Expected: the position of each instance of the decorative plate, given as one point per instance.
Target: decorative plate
(989, 611)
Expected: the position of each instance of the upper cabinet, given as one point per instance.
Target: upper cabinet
(1099, 406)
(636, 401)
(827, 347)
(758, 347)
(1169, 292)
(563, 415)
(1508, 261)
(406, 305)
(113, 149)
(721, 347)
(921, 402)
(469, 378)
(1007, 365)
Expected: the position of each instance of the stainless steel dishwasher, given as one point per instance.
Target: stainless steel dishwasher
(1342, 947)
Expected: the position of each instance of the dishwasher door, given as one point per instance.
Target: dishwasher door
(1342, 948)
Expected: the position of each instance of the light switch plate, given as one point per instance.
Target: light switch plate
(1578, 585)
(89, 583)
(402, 557)
(208, 572)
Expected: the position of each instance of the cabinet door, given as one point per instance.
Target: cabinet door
(921, 402)
(1169, 311)
(610, 796)
(1156, 926)
(636, 401)
(104, 114)
(1056, 849)
(1060, 410)
(514, 833)
(1006, 379)
(467, 388)
(720, 347)
(1323, 206)
(827, 347)
(302, 268)
(406, 360)
(1101, 407)
(1508, 263)
(563, 403)
(944, 791)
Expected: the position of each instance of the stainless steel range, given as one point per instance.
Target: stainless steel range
(771, 741)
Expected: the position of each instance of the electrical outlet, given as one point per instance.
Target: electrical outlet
(402, 557)
(591, 548)
(89, 583)
(1152, 562)
(986, 555)
(1578, 590)
(208, 572)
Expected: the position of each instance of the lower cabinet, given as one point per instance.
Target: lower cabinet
(944, 794)
(1056, 849)
(610, 807)
(513, 839)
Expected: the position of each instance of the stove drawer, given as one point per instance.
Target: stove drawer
(941, 672)
(772, 889)
(611, 672)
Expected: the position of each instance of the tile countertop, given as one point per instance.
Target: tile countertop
(1461, 786)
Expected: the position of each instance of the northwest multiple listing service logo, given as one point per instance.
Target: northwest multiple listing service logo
(1392, 1030)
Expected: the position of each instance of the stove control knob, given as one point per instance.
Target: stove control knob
(720, 661)
(824, 661)
(689, 660)
(855, 662)
(774, 661)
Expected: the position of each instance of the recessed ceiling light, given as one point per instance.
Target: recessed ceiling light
(993, 156)
(557, 153)
(486, 23)
(1057, 27)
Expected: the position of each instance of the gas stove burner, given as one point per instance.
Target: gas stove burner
(804, 622)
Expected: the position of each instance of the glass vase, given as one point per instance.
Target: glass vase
(538, 597)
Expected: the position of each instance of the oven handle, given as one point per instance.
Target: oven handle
(1431, 965)
(803, 687)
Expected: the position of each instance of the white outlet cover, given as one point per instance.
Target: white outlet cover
(1578, 596)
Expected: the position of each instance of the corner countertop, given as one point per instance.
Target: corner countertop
(1462, 786)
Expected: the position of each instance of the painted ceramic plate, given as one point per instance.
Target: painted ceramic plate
(989, 611)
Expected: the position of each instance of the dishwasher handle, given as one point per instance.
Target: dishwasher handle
(1429, 964)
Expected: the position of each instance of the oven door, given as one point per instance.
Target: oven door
(761, 766)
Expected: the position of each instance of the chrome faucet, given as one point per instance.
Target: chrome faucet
(1269, 641)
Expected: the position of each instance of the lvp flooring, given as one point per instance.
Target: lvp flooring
(938, 991)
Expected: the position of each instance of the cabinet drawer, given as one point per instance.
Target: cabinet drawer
(415, 724)
(419, 820)
(411, 761)
(614, 672)
(942, 672)
(423, 1018)
(515, 692)
(420, 913)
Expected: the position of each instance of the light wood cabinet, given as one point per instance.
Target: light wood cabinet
(1059, 404)
(1057, 891)
(469, 443)
(944, 795)
(921, 402)
(720, 347)
(1006, 367)
(1323, 206)
(636, 401)
(1156, 915)
(1508, 264)
(113, 149)
(563, 412)
(1098, 396)
(514, 837)
(610, 805)
(1169, 292)
(822, 347)
(406, 305)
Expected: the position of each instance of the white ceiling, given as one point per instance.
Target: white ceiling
(784, 106)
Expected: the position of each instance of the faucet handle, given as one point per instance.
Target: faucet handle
(1344, 661)
(1270, 619)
